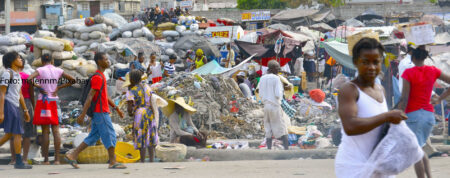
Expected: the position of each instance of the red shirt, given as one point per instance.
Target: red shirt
(421, 80)
(25, 85)
(96, 84)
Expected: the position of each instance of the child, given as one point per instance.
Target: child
(140, 106)
(10, 99)
(101, 121)
(48, 76)
(28, 127)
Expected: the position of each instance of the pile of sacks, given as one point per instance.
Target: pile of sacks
(14, 42)
(161, 28)
(212, 96)
(81, 69)
(134, 29)
(46, 43)
(88, 33)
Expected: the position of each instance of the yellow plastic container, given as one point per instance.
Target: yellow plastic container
(125, 153)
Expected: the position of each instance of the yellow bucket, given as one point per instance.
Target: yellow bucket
(125, 153)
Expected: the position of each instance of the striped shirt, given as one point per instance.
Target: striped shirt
(170, 68)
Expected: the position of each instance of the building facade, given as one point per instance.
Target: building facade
(25, 15)
(89, 8)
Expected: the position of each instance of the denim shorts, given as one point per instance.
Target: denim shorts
(421, 122)
(101, 128)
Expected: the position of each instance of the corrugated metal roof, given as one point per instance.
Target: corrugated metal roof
(294, 13)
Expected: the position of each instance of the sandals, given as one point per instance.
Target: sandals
(117, 166)
(73, 163)
(22, 166)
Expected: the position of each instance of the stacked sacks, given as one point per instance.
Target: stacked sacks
(13, 42)
(87, 32)
(82, 69)
(161, 28)
(59, 49)
(134, 29)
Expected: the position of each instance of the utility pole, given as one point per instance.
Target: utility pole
(61, 17)
(7, 16)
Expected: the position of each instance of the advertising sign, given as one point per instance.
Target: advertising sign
(255, 16)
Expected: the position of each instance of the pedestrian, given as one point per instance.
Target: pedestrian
(200, 59)
(101, 126)
(138, 63)
(271, 93)
(245, 89)
(190, 60)
(363, 110)
(417, 88)
(169, 67)
(11, 99)
(145, 123)
(47, 83)
(229, 61)
(154, 69)
(178, 11)
(28, 127)
(180, 122)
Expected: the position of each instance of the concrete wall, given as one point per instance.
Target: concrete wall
(349, 11)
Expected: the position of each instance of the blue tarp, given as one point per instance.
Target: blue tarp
(210, 68)
(339, 52)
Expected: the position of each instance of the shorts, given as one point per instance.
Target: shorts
(421, 122)
(274, 123)
(28, 127)
(13, 121)
(101, 128)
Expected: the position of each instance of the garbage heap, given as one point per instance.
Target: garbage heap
(134, 29)
(214, 97)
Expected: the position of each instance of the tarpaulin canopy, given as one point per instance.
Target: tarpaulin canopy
(265, 53)
(339, 52)
(210, 68)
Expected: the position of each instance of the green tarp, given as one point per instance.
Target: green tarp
(339, 52)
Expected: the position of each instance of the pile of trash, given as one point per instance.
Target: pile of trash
(440, 61)
(213, 97)
(14, 42)
(45, 43)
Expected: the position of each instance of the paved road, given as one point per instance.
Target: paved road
(321, 168)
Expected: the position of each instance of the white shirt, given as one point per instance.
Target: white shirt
(404, 64)
(270, 89)
(156, 70)
(230, 56)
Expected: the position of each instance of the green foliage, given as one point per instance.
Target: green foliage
(434, 1)
(261, 4)
(333, 3)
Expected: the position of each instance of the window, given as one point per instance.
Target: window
(20, 5)
(134, 6)
(122, 6)
(85, 6)
(105, 6)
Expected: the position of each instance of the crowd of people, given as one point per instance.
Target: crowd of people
(157, 15)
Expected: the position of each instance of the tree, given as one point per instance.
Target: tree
(261, 4)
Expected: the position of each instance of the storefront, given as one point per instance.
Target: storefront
(255, 20)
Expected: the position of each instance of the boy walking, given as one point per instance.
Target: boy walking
(11, 99)
(101, 121)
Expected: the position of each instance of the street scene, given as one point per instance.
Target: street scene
(210, 88)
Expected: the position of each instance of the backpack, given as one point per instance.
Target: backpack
(85, 93)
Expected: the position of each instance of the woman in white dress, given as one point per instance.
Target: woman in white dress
(363, 111)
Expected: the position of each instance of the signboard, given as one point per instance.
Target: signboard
(185, 4)
(221, 34)
(22, 18)
(255, 16)
(421, 35)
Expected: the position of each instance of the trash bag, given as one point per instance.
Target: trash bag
(137, 33)
(127, 34)
(170, 33)
(393, 155)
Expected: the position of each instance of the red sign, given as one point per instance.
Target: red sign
(223, 34)
(20, 18)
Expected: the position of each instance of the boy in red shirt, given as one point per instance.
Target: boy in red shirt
(101, 121)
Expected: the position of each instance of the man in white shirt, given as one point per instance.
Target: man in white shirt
(404, 64)
(271, 93)
(229, 61)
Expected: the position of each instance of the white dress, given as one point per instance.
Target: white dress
(354, 151)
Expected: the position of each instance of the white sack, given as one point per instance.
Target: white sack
(16, 48)
(127, 34)
(80, 49)
(84, 36)
(63, 55)
(137, 33)
(96, 35)
(96, 27)
(48, 44)
(170, 33)
(44, 33)
(131, 26)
